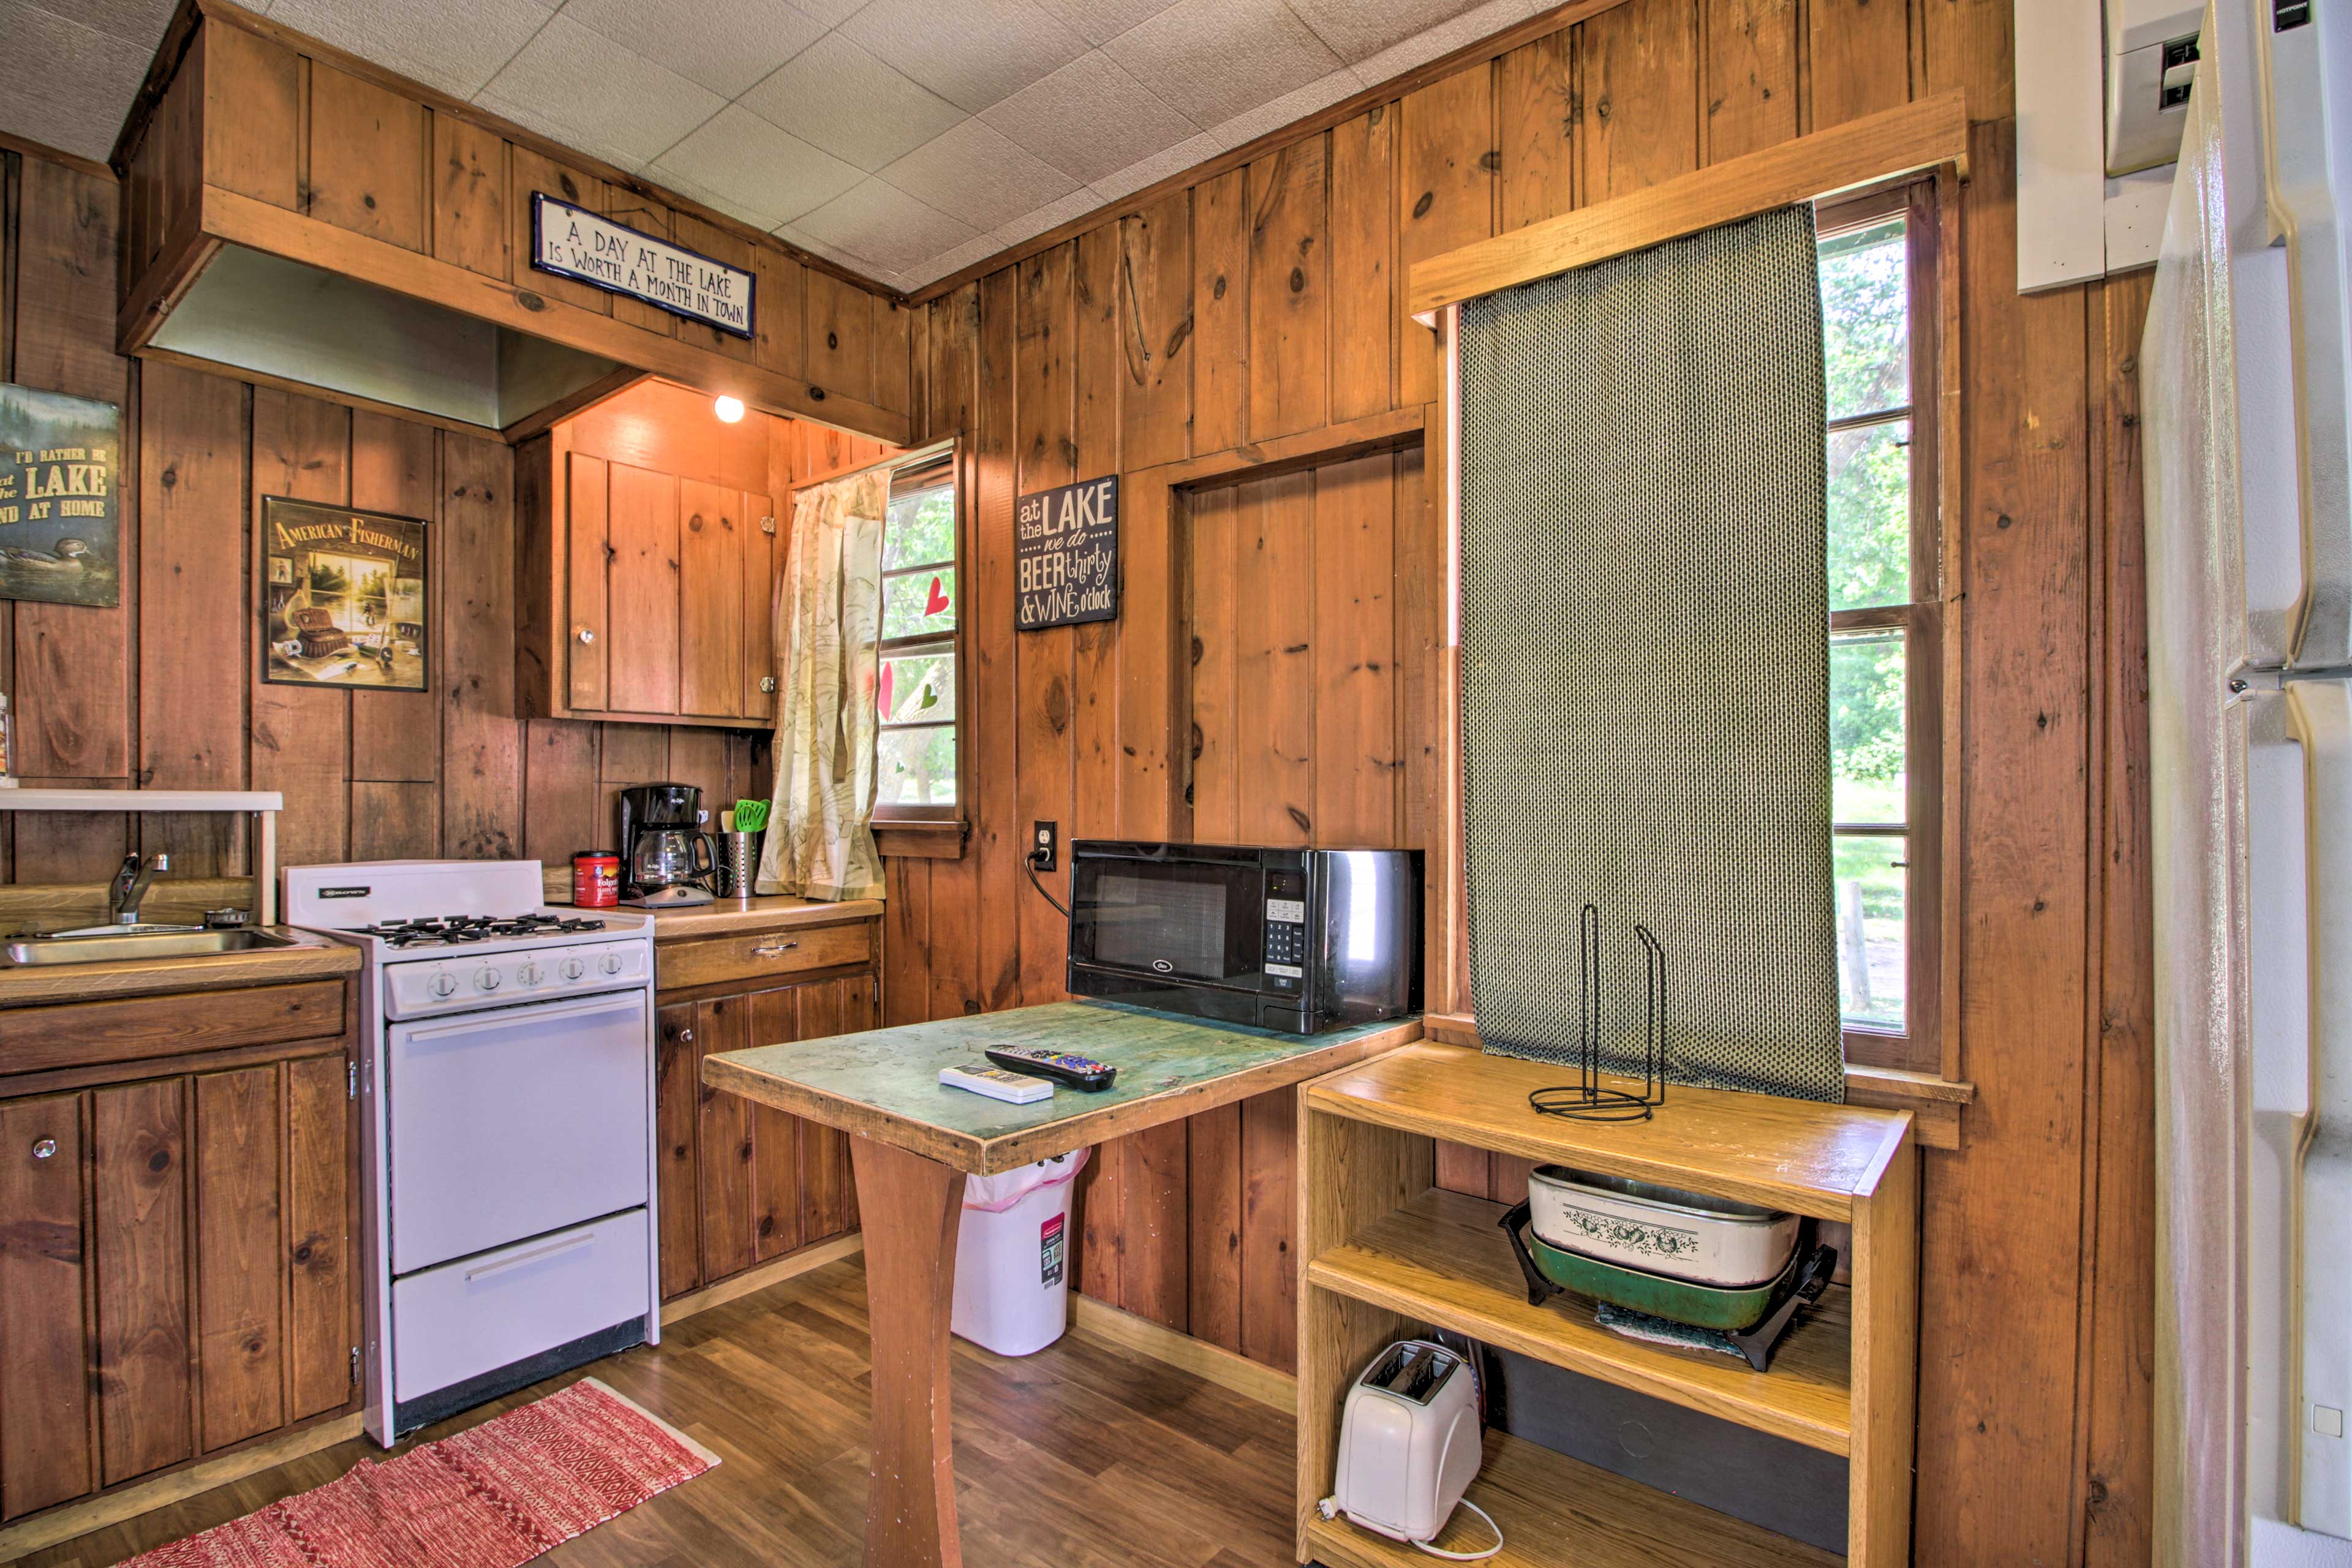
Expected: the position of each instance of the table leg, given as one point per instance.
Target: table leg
(910, 1209)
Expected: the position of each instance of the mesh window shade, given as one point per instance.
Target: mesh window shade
(1645, 662)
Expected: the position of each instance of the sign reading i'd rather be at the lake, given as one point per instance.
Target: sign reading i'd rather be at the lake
(1065, 555)
(572, 242)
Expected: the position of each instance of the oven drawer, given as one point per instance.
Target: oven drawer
(477, 1314)
(716, 960)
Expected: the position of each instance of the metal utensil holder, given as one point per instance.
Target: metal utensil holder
(1588, 1099)
(739, 863)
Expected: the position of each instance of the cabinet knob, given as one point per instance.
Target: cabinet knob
(587, 634)
(44, 1147)
(767, 683)
(686, 1037)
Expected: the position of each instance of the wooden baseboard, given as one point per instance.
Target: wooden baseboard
(816, 1256)
(29, 1536)
(1250, 1379)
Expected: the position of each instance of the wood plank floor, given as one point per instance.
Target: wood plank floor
(1082, 1456)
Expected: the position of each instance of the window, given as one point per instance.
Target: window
(1886, 622)
(916, 688)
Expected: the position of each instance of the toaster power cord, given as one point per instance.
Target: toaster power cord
(1329, 1508)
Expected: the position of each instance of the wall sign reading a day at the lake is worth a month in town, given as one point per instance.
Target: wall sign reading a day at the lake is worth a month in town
(1065, 555)
(572, 242)
(60, 520)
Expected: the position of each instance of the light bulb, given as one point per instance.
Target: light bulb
(731, 410)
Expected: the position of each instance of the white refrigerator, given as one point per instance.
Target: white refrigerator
(2244, 372)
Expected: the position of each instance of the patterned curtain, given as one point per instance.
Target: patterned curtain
(820, 839)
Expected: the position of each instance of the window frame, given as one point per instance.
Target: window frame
(1927, 625)
(938, 830)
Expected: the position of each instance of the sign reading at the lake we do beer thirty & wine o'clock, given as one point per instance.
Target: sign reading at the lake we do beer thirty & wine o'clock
(572, 242)
(1065, 555)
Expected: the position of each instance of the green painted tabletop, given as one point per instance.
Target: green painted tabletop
(885, 1083)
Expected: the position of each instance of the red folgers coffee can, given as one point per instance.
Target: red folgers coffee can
(596, 878)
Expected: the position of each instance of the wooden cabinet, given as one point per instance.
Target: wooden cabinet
(178, 1238)
(648, 594)
(742, 1185)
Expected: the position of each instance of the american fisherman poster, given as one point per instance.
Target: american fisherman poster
(60, 526)
(342, 594)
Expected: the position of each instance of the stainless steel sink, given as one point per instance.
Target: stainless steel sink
(117, 945)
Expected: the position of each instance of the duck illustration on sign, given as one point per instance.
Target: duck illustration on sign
(1065, 555)
(60, 522)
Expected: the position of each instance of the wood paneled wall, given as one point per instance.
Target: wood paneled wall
(164, 692)
(1261, 305)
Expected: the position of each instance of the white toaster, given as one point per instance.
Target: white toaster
(1409, 1442)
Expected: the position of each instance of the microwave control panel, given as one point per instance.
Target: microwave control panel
(1286, 928)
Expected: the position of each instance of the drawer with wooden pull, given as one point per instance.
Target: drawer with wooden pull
(715, 960)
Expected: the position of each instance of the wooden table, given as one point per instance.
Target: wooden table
(912, 1142)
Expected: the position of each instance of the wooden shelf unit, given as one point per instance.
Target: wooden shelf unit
(1385, 1252)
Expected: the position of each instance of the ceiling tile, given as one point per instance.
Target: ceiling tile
(815, 247)
(1252, 124)
(725, 44)
(837, 96)
(1159, 166)
(1100, 21)
(884, 226)
(1089, 118)
(574, 75)
(831, 13)
(139, 22)
(956, 261)
(1359, 29)
(752, 163)
(453, 44)
(970, 53)
(1445, 37)
(1213, 59)
(976, 173)
(1030, 225)
(564, 135)
(77, 102)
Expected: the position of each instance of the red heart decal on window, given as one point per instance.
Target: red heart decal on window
(882, 695)
(937, 601)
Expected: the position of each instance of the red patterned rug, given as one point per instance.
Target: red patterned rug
(492, 1497)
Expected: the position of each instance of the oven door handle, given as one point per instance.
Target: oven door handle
(533, 1256)
(627, 1001)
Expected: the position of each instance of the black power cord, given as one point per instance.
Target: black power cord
(1031, 864)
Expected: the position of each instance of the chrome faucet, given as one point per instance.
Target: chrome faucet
(129, 890)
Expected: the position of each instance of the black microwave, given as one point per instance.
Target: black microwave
(1295, 939)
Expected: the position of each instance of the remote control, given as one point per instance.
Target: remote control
(1078, 1072)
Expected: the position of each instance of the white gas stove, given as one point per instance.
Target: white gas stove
(506, 1091)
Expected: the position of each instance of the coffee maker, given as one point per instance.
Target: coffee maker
(665, 857)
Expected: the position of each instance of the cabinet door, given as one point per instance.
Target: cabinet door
(677, 1100)
(776, 1220)
(827, 1192)
(710, 594)
(240, 1314)
(586, 629)
(139, 1134)
(641, 586)
(321, 1263)
(763, 557)
(45, 1455)
(728, 1243)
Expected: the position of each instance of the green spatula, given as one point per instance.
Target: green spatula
(751, 816)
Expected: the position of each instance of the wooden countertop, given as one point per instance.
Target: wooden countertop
(885, 1083)
(311, 958)
(736, 917)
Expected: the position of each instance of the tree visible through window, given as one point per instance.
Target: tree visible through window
(1885, 623)
(916, 687)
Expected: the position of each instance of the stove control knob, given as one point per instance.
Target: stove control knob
(573, 969)
(530, 974)
(610, 964)
(445, 985)
(486, 979)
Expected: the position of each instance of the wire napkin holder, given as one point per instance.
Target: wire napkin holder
(1588, 1099)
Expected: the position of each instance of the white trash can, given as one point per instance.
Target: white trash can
(1013, 1273)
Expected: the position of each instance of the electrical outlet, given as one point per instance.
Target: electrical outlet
(1045, 846)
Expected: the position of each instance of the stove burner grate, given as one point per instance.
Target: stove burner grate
(454, 930)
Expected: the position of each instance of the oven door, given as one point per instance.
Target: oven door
(1177, 914)
(510, 1123)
